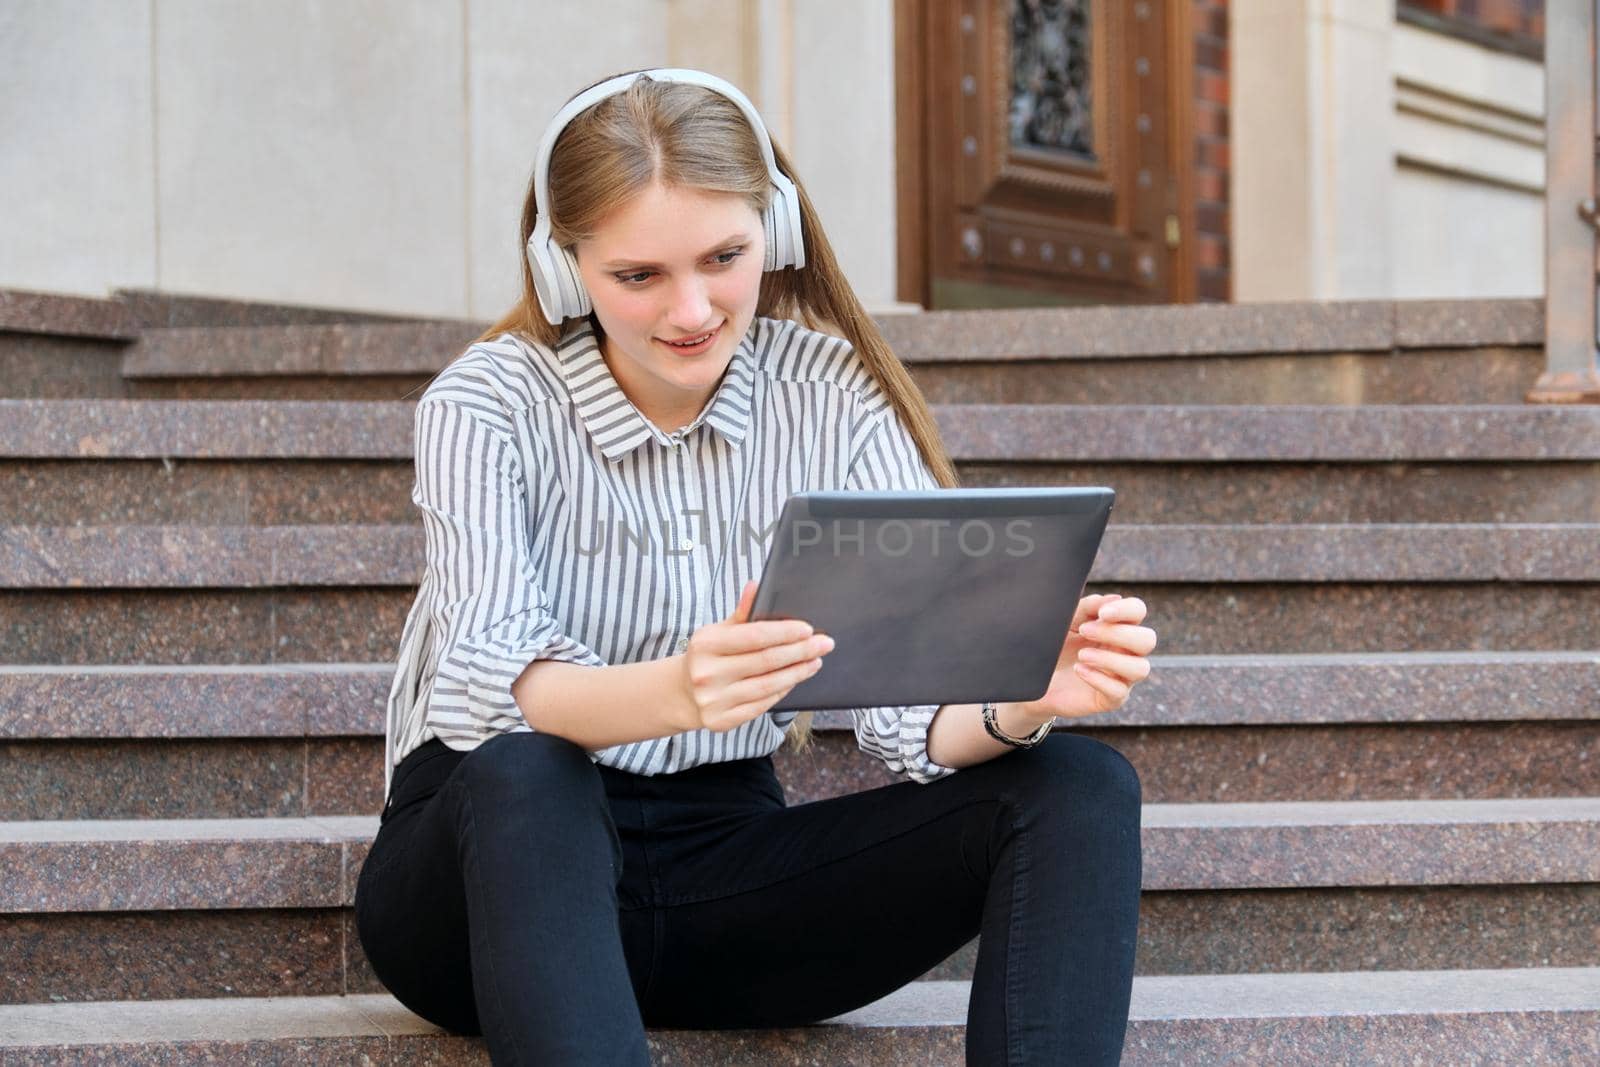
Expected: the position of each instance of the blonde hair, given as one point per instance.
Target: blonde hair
(687, 136)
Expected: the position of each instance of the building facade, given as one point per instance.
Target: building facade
(374, 154)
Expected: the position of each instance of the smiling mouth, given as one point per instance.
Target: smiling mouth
(692, 342)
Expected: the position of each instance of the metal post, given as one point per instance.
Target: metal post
(1571, 148)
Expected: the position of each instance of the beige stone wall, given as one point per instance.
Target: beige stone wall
(1379, 160)
(374, 153)
(1469, 169)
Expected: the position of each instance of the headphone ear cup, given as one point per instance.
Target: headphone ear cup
(575, 298)
(556, 280)
(769, 228)
(781, 221)
(544, 280)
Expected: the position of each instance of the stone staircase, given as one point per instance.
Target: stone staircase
(1370, 748)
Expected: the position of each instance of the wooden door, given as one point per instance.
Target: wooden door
(1038, 152)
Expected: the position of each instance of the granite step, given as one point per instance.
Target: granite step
(1541, 1015)
(245, 557)
(60, 345)
(1343, 353)
(55, 345)
(1334, 353)
(128, 313)
(361, 623)
(158, 309)
(74, 462)
(1337, 353)
(171, 490)
(276, 594)
(346, 361)
(1031, 433)
(247, 777)
(307, 739)
(320, 370)
(32, 313)
(264, 907)
(62, 367)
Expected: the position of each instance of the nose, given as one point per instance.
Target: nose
(690, 306)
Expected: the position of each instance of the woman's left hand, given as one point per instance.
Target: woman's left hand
(1102, 660)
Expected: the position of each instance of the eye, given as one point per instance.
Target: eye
(637, 279)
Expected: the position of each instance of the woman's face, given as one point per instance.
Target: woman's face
(671, 265)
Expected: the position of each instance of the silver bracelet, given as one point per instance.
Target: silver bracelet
(995, 732)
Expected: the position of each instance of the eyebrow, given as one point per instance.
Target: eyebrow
(737, 238)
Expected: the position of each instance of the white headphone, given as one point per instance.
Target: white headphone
(555, 269)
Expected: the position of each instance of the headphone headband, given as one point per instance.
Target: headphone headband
(610, 87)
(555, 274)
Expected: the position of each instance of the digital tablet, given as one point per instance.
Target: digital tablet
(944, 596)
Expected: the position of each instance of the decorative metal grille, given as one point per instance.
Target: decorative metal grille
(1050, 88)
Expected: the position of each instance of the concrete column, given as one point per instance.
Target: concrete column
(1312, 111)
(844, 134)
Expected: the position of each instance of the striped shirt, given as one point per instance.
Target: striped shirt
(562, 524)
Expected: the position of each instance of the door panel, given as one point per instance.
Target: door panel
(1039, 135)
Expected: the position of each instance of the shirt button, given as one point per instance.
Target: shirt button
(683, 644)
(686, 544)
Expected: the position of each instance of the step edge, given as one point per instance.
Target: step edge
(1197, 816)
(1289, 996)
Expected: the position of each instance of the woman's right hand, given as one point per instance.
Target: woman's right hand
(736, 669)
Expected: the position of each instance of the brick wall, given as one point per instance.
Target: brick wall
(1213, 258)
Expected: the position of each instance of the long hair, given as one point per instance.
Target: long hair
(688, 136)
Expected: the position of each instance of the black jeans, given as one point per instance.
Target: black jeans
(558, 906)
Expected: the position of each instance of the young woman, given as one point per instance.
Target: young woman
(584, 835)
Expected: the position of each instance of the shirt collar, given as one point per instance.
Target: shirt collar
(617, 426)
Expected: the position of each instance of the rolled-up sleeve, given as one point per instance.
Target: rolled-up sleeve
(888, 459)
(488, 605)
